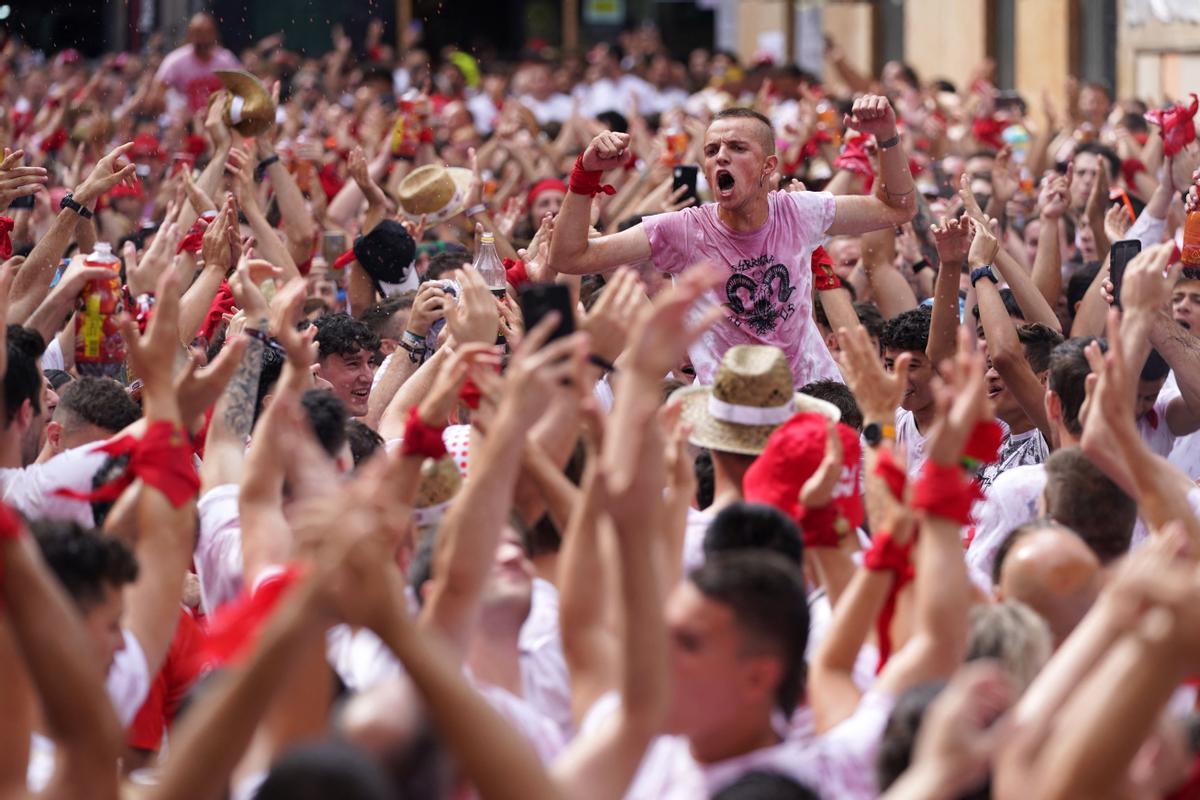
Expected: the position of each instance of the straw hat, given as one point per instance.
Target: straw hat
(440, 482)
(435, 192)
(752, 395)
(250, 111)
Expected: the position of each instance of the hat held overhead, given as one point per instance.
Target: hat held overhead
(251, 111)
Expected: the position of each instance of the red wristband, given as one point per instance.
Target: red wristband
(515, 272)
(945, 492)
(420, 438)
(983, 445)
(587, 181)
(470, 395)
(891, 472)
(886, 555)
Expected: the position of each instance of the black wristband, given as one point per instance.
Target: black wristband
(983, 272)
(261, 169)
(920, 265)
(884, 144)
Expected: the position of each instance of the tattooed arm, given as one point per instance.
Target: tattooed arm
(233, 417)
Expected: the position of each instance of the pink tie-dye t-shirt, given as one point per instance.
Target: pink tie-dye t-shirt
(766, 286)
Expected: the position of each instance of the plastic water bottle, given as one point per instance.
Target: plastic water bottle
(99, 350)
(489, 266)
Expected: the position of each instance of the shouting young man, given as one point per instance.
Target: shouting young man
(761, 240)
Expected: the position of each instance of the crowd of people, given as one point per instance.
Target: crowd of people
(821, 440)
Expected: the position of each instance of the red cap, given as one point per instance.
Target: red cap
(792, 455)
(145, 148)
(121, 190)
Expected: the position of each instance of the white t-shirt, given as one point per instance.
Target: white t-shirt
(545, 679)
(1185, 450)
(218, 553)
(1016, 450)
(127, 684)
(31, 490)
(1153, 425)
(555, 108)
(1011, 501)
(839, 765)
(912, 440)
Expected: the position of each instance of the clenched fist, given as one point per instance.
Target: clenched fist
(872, 114)
(607, 151)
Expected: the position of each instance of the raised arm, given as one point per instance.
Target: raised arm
(166, 517)
(571, 251)
(51, 638)
(32, 283)
(894, 201)
(890, 290)
(953, 238)
(1047, 263)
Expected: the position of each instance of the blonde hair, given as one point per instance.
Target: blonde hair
(1012, 634)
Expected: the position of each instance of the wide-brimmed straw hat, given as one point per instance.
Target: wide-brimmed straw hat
(250, 111)
(434, 192)
(440, 482)
(752, 394)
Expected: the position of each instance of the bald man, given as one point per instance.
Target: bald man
(1050, 569)
(187, 71)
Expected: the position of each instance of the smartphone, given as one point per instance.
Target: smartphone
(1122, 253)
(539, 299)
(333, 245)
(685, 175)
(24, 201)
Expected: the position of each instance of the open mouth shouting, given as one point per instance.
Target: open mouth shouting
(724, 184)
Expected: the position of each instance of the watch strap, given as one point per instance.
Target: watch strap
(985, 271)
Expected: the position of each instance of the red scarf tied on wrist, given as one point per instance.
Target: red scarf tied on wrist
(6, 227)
(855, 159)
(885, 555)
(1178, 129)
(945, 492)
(824, 278)
(421, 438)
(236, 625)
(587, 181)
(162, 458)
(194, 239)
(515, 272)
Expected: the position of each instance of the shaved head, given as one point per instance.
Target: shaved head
(1052, 570)
(763, 132)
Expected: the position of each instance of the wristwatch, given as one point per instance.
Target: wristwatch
(983, 272)
(874, 433)
(70, 202)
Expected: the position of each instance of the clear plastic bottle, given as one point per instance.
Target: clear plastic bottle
(1190, 255)
(99, 350)
(489, 266)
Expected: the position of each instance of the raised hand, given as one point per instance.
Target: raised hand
(607, 151)
(613, 315)
(108, 172)
(879, 392)
(662, 331)
(17, 180)
(984, 246)
(221, 239)
(1150, 279)
(1116, 223)
(952, 239)
(152, 354)
(1006, 182)
(1055, 195)
(442, 398)
(474, 318)
(818, 490)
(428, 307)
(872, 114)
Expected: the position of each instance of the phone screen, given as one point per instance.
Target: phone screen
(686, 175)
(1122, 253)
(539, 299)
(333, 245)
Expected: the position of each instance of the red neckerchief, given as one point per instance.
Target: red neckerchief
(162, 458)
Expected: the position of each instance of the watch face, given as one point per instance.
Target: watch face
(873, 433)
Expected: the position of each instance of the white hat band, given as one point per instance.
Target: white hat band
(750, 415)
(235, 109)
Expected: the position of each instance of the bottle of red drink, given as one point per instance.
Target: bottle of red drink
(1190, 255)
(99, 350)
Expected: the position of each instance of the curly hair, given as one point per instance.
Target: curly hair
(101, 402)
(86, 562)
(908, 330)
(343, 335)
